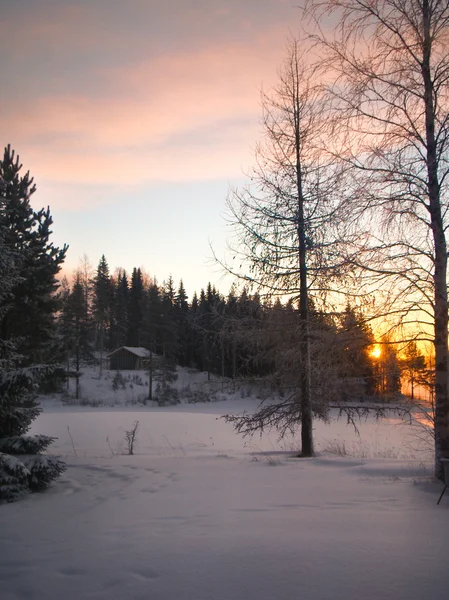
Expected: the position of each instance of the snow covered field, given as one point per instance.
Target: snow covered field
(199, 514)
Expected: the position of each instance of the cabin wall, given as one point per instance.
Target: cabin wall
(124, 361)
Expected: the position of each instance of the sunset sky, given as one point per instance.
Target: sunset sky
(135, 117)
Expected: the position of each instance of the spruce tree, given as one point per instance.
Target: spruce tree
(135, 309)
(168, 326)
(181, 312)
(356, 338)
(102, 306)
(413, 366)
(23, 466)
(194, 333)
(101, 301)
(120, 311)
(33, 298)
(151, 326)
(76, 328)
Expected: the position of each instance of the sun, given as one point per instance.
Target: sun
(376, 352)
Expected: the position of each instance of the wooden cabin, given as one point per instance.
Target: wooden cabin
(129, 358)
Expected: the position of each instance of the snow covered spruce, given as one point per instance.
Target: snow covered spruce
(23, 467)
(28, 266)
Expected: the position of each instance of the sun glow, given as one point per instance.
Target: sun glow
(376, 352)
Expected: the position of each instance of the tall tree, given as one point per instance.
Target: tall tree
(152, 319)
(286, 215)
(181, 312)
(120, 310)
(389, 64)
(151, 326)
(356, 339)
(101, 305)
(23, 466)
(77, 329)
(135, 309)
(168, 324)
(33, 298)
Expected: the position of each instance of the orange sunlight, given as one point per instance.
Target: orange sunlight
(376, 352)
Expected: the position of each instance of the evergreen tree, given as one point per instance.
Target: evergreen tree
(168, 324)
(194, 334)
(181, 315)
(86, 273)
(413, 366)
(135, 309)
(355, 340)
(202, 326)
(230, 332)
(120, 311)
(102, 306)
(165, 376)
(151, 330)
(152, 319)
(23, 467)
(77, 330)
(388, 372)
(101, 301)
(32, 301)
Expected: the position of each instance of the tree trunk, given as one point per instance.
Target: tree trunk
(305, 381)
(77, 351)
(101, 350)
(150, 377)
(440, 271)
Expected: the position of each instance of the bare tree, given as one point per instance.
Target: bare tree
(389, 65)
(285, 219)
(131, 437)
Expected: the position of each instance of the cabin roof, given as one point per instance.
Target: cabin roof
(136, 350)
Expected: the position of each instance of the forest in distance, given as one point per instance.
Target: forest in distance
(236, 336)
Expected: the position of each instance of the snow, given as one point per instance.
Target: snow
(136, 350)
(200, 514)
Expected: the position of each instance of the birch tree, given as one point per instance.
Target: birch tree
(389, 65)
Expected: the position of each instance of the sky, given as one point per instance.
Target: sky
(136, 117)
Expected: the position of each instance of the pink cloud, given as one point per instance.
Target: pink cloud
(130, 130)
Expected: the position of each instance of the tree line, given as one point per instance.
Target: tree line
(237, 335)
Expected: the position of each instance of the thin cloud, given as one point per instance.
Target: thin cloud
(127, 130)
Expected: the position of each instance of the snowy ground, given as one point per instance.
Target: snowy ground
(198, 514)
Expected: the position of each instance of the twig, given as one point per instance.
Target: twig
(73, 443)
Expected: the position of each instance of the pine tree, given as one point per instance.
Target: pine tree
(33, 299)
